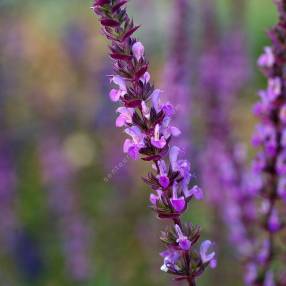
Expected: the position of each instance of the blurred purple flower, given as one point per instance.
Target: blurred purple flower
(272, 145)
(58, 176)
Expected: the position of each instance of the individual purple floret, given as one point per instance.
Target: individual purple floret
(149, 130)
(270, 163)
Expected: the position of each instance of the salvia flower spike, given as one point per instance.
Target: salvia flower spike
(270, 162)
(147, 122)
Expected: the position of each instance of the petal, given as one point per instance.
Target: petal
(175, 131)
(154, 199)
(133, 152)
(274, 222)
(120, 121)
(135, 133)
(283, 113)
(164, 181)
(251, 274)
(174, 152)
(157, 132)
(213, 263)
(204, 249)
(178, 204)
(178, 231)
(160, 144)
(138, 50)
(145, 78)
(164, 268)
(165, 253)
(185, 244)
(118, 80)
(114, 95)
(162, 167)
(168, 109)
(197, 193)
(145, 109)
(156, 99)
(127, 144)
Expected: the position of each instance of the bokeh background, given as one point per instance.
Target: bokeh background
(73, 209)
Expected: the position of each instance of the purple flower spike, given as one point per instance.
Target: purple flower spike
(183, 240)
(271, 139)
(147, 120)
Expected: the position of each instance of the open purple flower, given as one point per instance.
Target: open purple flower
(267, 59)
(178, 202)
(207, 257)
(115, 94)
(182, 240)
(133, 146)
(125, 116)
(138, 50)
(157, 140)
(271, 139)
(274, 88)
(163, 176)
(171, 256)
